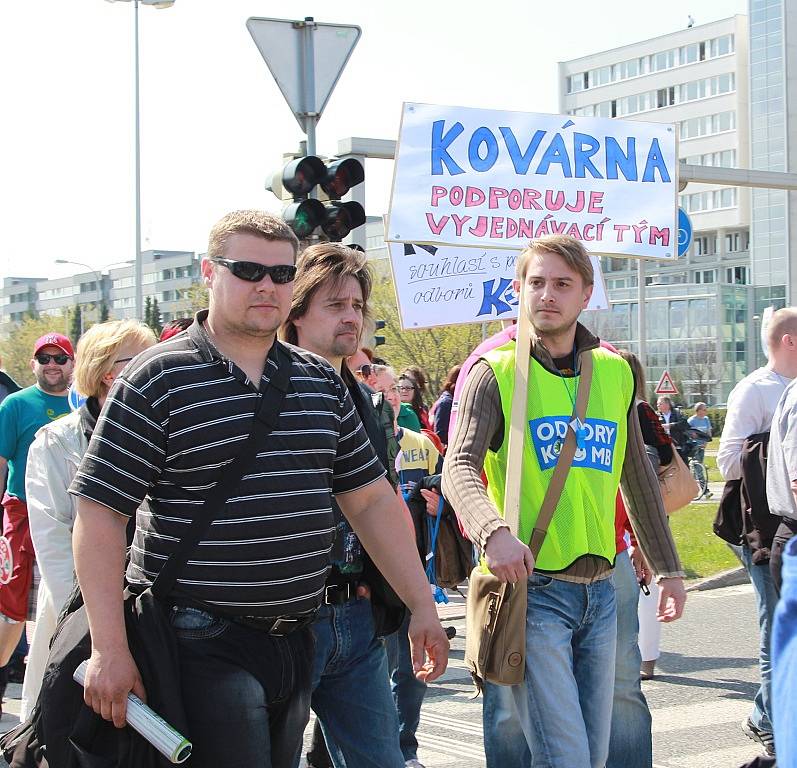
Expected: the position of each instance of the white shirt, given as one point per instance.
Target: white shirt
(751, 406)
(782, 457)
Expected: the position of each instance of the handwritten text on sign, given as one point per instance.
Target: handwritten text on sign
(449, 286)
(487, 178)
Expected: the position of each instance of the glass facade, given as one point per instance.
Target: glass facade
(769, 228)
(700, 338)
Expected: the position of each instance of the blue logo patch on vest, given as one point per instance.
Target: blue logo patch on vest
(548, 436)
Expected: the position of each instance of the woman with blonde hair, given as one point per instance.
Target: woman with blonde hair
(102, 354)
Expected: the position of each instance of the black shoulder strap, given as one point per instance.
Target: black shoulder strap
(266, 418)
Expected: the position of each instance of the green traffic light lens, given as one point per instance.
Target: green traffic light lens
(302, 225)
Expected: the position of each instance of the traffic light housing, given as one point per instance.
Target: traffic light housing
(305, 214)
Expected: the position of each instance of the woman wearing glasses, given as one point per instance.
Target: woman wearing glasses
(411, 392)
(102, 353)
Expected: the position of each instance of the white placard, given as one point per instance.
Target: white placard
(449, 286)
(493, 179)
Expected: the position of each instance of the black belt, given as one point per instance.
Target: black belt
(277, 626)
(340, 592)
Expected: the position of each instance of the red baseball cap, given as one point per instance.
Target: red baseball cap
(54, 340)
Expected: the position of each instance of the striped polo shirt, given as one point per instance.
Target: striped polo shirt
(174, 420)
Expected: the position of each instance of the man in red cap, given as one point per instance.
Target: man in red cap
(21, 415)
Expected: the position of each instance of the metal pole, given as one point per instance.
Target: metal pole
(641, 326)
(138, 272)
(308, 82)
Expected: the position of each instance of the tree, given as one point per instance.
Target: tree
(436, 350)
(104, 314)
(76, 324)
(148, 311)
(195, 298)
(17, 350)
(155, 319)
(704, 367)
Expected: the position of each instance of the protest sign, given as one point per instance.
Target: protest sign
(449, 286)
(493, 179)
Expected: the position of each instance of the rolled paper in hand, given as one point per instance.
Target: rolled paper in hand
(169, 742)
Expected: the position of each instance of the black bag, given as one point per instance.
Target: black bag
(62, 731)
(453, 554)
(728, 521)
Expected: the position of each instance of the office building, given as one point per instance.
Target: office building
(699, 308)
(169, 276)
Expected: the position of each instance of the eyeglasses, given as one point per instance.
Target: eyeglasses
(364, 370)
(122, 360)
(253, 272)
(44, 359)
(407, 388)
(394, 389)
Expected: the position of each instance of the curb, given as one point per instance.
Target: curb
(731, 578)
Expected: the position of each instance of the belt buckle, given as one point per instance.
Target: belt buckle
(284, 625)
(344, 590)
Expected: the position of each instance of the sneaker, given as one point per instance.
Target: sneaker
(647, 670)
(708, 494)
(414, 763)
(766, 740)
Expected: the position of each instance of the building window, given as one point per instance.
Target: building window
(703, 276)
(709, 201)
(702, 246)
(708, 125)
(736, 275)
(737, 241)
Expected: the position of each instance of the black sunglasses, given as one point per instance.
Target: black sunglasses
(365, 370)
(44, 359)
(253, 272)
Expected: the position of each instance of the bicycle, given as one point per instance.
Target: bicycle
(694, 439)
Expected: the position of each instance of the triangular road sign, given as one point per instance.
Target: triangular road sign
(666, 386)
(280, 42)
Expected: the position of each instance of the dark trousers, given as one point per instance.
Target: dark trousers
(246, 693)
(786, 530)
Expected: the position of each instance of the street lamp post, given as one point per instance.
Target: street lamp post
(138, 272)
(98, 278)
(756, 339)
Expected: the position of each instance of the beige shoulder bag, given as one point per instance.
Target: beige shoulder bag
(495, 641)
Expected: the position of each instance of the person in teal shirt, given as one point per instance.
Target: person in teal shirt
(22, 414)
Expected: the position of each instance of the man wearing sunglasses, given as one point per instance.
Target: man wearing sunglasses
(242, 607)
(330, 303)
(22, 413)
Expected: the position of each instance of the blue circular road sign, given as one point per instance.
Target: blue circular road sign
(684, 231)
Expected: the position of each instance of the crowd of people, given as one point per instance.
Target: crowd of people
(308, 586)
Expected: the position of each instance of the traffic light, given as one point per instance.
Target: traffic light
(378, 326)
(305, 214)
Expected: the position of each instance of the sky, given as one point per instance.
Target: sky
(214, 124)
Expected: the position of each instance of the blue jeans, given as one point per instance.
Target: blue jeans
(504, 741)
(564, 705)
(631, 741)
(246, 693)
(766, 598)
(351, 690)
(408, 691)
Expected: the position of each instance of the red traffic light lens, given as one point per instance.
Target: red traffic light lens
(301, 175)
(341, 176)
(342, 218)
